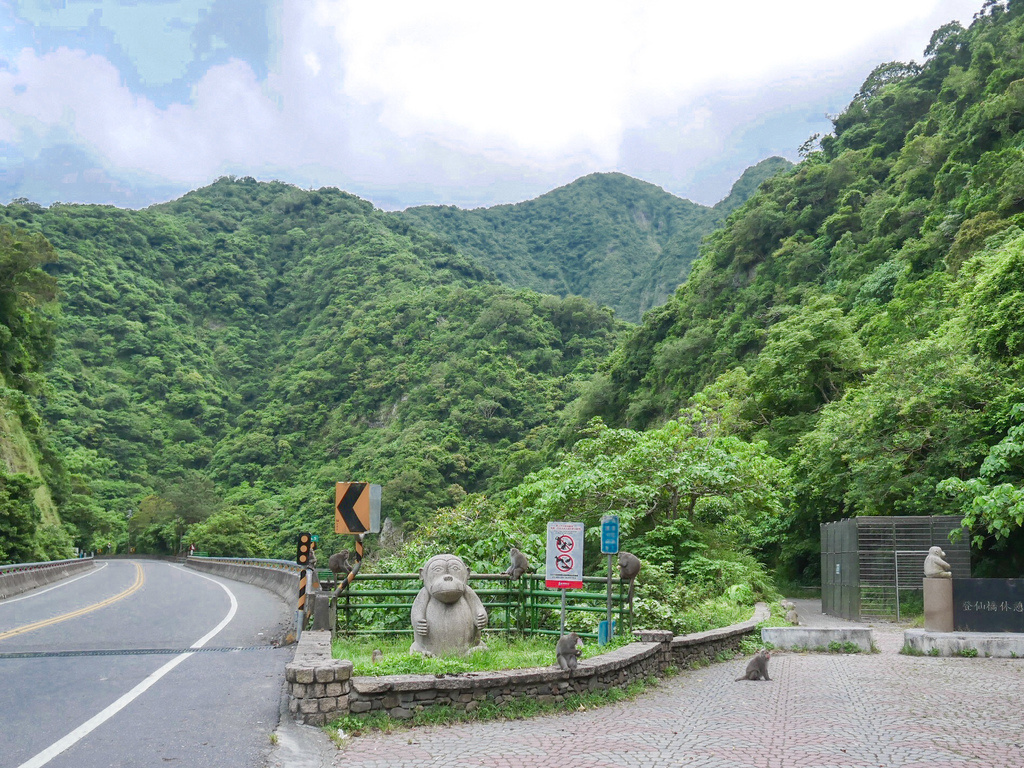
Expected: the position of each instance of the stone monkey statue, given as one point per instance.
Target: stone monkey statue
(567, 651)
(629, 567)
(518, 565)
(757, 667)
(447, 615)
(935, 567)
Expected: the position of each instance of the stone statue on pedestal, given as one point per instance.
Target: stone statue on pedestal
(447, 615)
(935, 567)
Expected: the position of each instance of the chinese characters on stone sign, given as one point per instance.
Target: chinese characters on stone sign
(992, 606)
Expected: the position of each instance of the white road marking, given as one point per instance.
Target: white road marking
(63, 583)
(97, 720)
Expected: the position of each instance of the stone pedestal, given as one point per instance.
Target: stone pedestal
(938, 605)
(325, 615)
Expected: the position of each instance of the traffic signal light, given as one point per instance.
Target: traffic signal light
(305, 547)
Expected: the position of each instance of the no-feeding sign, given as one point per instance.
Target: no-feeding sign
(564, 557)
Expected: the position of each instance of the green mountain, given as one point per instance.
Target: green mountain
(616, 240)
(30, 526)
(865, 313)
(239, 350)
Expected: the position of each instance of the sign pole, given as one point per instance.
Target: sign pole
(611, 628)
(563, 560)
(563, 611)
(610, 547)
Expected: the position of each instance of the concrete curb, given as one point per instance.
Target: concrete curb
(33, 575)
(809, 638)
(999, 645)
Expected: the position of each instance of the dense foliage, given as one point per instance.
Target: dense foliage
(696, 505)
(864, 314)
(223, 359)
(29, 525)
(616, 240)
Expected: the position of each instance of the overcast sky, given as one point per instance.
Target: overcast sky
(465, 102)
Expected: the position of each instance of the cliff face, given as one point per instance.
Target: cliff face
(30, 526)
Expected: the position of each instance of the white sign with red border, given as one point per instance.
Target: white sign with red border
(564, 557)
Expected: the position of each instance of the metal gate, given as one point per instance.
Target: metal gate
(869, 563)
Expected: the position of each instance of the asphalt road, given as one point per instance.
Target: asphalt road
(76, 691)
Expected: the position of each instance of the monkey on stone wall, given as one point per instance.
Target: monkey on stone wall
(568, 650)
(757, 667)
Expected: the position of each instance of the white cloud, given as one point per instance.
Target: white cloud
(545, 80)
(475, 103)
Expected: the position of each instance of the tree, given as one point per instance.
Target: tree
(993, 502)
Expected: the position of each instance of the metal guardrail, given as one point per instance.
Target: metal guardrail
(23, 567)
(524, 605)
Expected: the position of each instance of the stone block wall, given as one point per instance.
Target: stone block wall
(322, 688)
(318, 685)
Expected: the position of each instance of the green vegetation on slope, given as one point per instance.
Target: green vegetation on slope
(865, 314)
(30, 528)
(613, 239)
(223, 359)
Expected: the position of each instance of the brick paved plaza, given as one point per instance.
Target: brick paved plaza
(832, 711)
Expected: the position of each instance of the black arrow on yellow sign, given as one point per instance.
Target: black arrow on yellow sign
(346, 507)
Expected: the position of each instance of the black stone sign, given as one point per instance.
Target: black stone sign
(988, 605)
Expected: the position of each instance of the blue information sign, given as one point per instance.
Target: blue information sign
(610, 535)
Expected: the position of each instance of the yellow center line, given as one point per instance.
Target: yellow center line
(139, 580)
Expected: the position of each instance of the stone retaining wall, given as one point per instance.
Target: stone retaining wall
(22, 578)
(321, 688)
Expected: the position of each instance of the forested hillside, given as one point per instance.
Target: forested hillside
(864, 314)
(223, 359)
(616, 240)
(30, 528)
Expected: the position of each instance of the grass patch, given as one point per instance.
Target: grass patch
(504, 652)
(834, 647)
(518, 709)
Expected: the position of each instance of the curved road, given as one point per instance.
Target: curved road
(140, 663)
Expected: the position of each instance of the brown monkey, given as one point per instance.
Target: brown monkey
(519, 565)
(629, 567)
(376, 656)
(567, 651)
(757, 667)
(338, 565)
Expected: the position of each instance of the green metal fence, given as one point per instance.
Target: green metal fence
(380, 603)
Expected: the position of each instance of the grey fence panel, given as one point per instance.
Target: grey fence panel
(869, 564)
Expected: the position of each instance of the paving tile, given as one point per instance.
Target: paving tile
(818, 711)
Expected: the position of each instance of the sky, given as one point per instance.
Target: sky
(410, 102)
